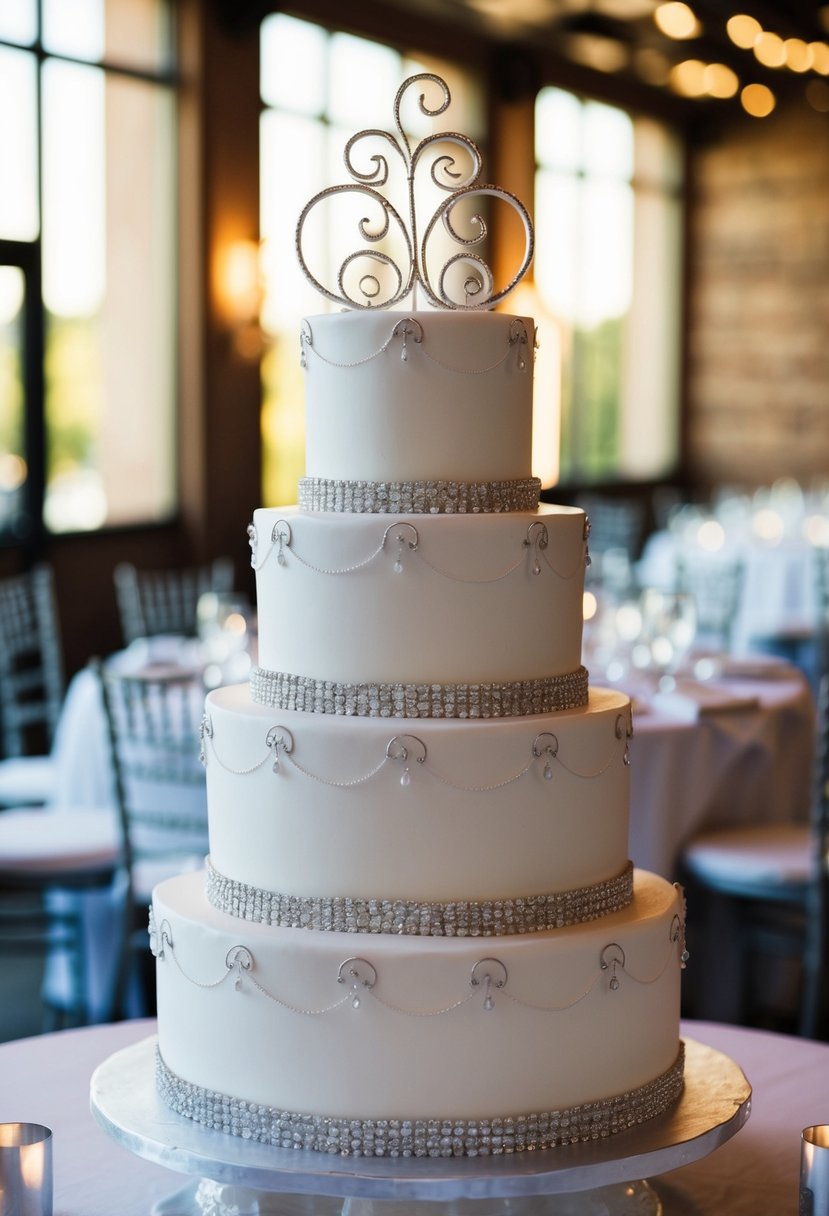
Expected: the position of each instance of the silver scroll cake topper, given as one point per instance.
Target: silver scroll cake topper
(477, 282)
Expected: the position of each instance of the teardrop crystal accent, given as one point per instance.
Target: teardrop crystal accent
(614, 984)
(237, 983)
(488, 1002)
(548, 772)
(398, 566)
(406, 778)
(280, 557)
(536, 566)
(355, 1003)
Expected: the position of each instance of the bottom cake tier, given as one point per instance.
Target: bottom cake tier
(381, 1044)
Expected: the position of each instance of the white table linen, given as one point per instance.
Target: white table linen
(724, 766)
(46, 1080)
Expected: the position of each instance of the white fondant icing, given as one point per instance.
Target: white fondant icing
(421, 1043)
(437, 415)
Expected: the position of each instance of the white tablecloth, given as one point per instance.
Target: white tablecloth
(46, 1080)
(752, 765)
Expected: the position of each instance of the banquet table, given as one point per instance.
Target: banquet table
(47, 1080)
(736, 751)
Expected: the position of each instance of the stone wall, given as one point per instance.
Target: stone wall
(758, 309)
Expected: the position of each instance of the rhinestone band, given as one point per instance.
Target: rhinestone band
(463, 918)
(454, 1137)
(518, 698)
(419, 497)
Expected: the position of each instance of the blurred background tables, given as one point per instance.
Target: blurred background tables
(732, 750)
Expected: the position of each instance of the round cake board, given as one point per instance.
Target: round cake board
(237, 1177)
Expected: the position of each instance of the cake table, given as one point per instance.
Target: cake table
(237, 1177)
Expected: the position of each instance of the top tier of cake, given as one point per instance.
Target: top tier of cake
(418, 397)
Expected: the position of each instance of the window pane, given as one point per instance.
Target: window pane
(18, 21)
(558, 129)
(12, 449)
(108, 288)
(292, 59)
(18, 145)
(300, 143)
(133, 33)
(364, 78)
(74, 27)
(658, 155)
(73, 188)
(607, 141)
(607, 266)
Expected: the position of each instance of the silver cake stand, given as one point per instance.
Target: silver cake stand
(235, 1177)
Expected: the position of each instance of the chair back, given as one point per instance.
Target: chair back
(616, 524)
(716, 585)
(31, 663)
(153, 602)
(158, 779)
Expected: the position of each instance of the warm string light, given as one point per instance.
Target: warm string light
(695, 78)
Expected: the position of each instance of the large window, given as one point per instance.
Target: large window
(87, 265)
(608, 253)
(318, 89)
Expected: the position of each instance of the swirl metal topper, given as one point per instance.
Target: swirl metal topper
(478, 284)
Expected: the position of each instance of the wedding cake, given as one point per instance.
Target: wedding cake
(418, 932)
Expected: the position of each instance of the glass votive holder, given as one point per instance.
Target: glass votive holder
(814, 1170)
(25, 1169)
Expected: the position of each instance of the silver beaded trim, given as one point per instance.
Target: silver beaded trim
(512, 699)
(408, 917)
(436, 1137)
(419, 497)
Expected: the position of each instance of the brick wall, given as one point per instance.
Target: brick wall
(758, 389)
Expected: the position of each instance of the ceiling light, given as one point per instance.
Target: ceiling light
(799, 55)
(769, 50)
(677, 20)
(688, 78)
(757, 100)
(820, 57)
(720, 81)
(743, 30)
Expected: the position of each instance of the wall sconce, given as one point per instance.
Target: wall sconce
(239, 291)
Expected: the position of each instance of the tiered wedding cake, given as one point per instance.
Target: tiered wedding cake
(419, 933)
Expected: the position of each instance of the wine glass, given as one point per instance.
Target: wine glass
(669, 625)
(222, 621)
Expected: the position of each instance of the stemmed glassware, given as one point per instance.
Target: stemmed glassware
(669, 625)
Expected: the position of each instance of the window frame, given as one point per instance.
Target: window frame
(29, 527)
